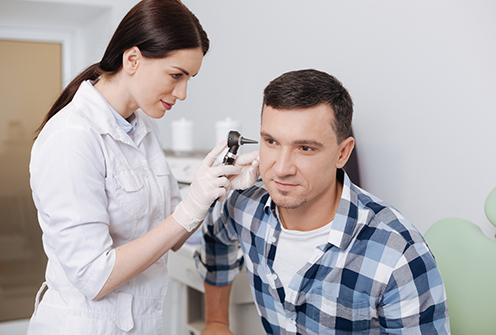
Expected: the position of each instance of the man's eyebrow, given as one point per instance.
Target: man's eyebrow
(264, 134)
(310, 143)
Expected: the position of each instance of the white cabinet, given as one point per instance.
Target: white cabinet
(184, 307)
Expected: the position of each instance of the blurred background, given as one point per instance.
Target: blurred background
(422, 76)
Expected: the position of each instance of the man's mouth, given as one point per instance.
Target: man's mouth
(285, 186)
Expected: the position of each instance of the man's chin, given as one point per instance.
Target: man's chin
(288, 202)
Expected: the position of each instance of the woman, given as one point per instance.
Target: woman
(103, 189)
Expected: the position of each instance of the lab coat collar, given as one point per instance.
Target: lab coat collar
(99, 115)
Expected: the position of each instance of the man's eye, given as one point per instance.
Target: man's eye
(305, 148)
(269, 141)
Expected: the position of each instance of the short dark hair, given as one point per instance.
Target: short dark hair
(308, 88)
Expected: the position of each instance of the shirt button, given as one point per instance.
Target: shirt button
(274, 276)
(273, 239)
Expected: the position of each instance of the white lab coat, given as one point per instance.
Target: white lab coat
(95, 189)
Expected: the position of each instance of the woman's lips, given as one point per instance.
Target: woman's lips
(166, 105)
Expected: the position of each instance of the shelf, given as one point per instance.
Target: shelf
(195, 327)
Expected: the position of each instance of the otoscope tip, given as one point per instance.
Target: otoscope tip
(247, 141)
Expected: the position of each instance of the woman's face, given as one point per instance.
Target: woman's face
(158, 83)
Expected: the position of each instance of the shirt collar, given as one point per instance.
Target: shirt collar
(99, 115)
(128, 125)
(345, 219)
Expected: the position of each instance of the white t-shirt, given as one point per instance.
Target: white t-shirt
(295, 248)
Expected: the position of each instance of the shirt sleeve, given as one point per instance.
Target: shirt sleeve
(68, 183)
(415, 300)
(219, 259)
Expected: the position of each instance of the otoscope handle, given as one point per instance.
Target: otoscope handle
(228, 160)
(234, 140)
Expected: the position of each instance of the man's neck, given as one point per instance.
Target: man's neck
(311, 216)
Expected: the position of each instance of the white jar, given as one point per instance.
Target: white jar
(182, 135)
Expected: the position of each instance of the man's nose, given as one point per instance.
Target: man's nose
(285, 163)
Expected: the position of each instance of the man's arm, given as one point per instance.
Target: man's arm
(217, 309)
(415, 299)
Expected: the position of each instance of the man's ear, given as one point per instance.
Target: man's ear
(345, 149)
(131, 59)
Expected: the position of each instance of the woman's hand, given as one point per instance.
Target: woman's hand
(209, 183)
(249, 171)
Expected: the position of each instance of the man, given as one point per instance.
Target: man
(323, 256)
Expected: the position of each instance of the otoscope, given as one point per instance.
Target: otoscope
(234, 141)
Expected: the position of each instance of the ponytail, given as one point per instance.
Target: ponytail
(156, 27)
(91, 73)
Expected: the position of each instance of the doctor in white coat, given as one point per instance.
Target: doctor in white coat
(102, 186)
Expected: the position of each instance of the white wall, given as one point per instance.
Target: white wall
(422, 75)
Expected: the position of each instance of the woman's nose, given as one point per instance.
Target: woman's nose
(180, 90)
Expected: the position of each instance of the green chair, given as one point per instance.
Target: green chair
(467, 261)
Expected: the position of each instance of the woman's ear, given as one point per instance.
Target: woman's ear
(131, 59)
(346, 147)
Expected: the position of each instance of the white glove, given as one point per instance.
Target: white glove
(249, 171)
(209, 183)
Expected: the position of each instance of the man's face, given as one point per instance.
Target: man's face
(299, 155)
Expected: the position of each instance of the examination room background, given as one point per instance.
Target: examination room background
(422, 75)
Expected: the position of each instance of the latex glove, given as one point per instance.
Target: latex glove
(209, 183)
(249, 171)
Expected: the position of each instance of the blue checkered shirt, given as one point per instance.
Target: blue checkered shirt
(375, 275)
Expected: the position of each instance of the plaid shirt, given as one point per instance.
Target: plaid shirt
(375, 275)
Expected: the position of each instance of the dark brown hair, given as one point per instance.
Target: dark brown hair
(309, 88)
(156, 27)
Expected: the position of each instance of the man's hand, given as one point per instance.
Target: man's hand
(217, 309)
(216, 328)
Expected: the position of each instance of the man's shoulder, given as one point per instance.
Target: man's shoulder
(256, 194)
(380, 218)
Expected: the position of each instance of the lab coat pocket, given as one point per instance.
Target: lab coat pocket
(96, 322)
(87, 325)
(160, 167)
(161, 172)
(130, 192)
(124, 311)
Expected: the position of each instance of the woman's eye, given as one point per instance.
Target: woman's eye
(176, 75)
